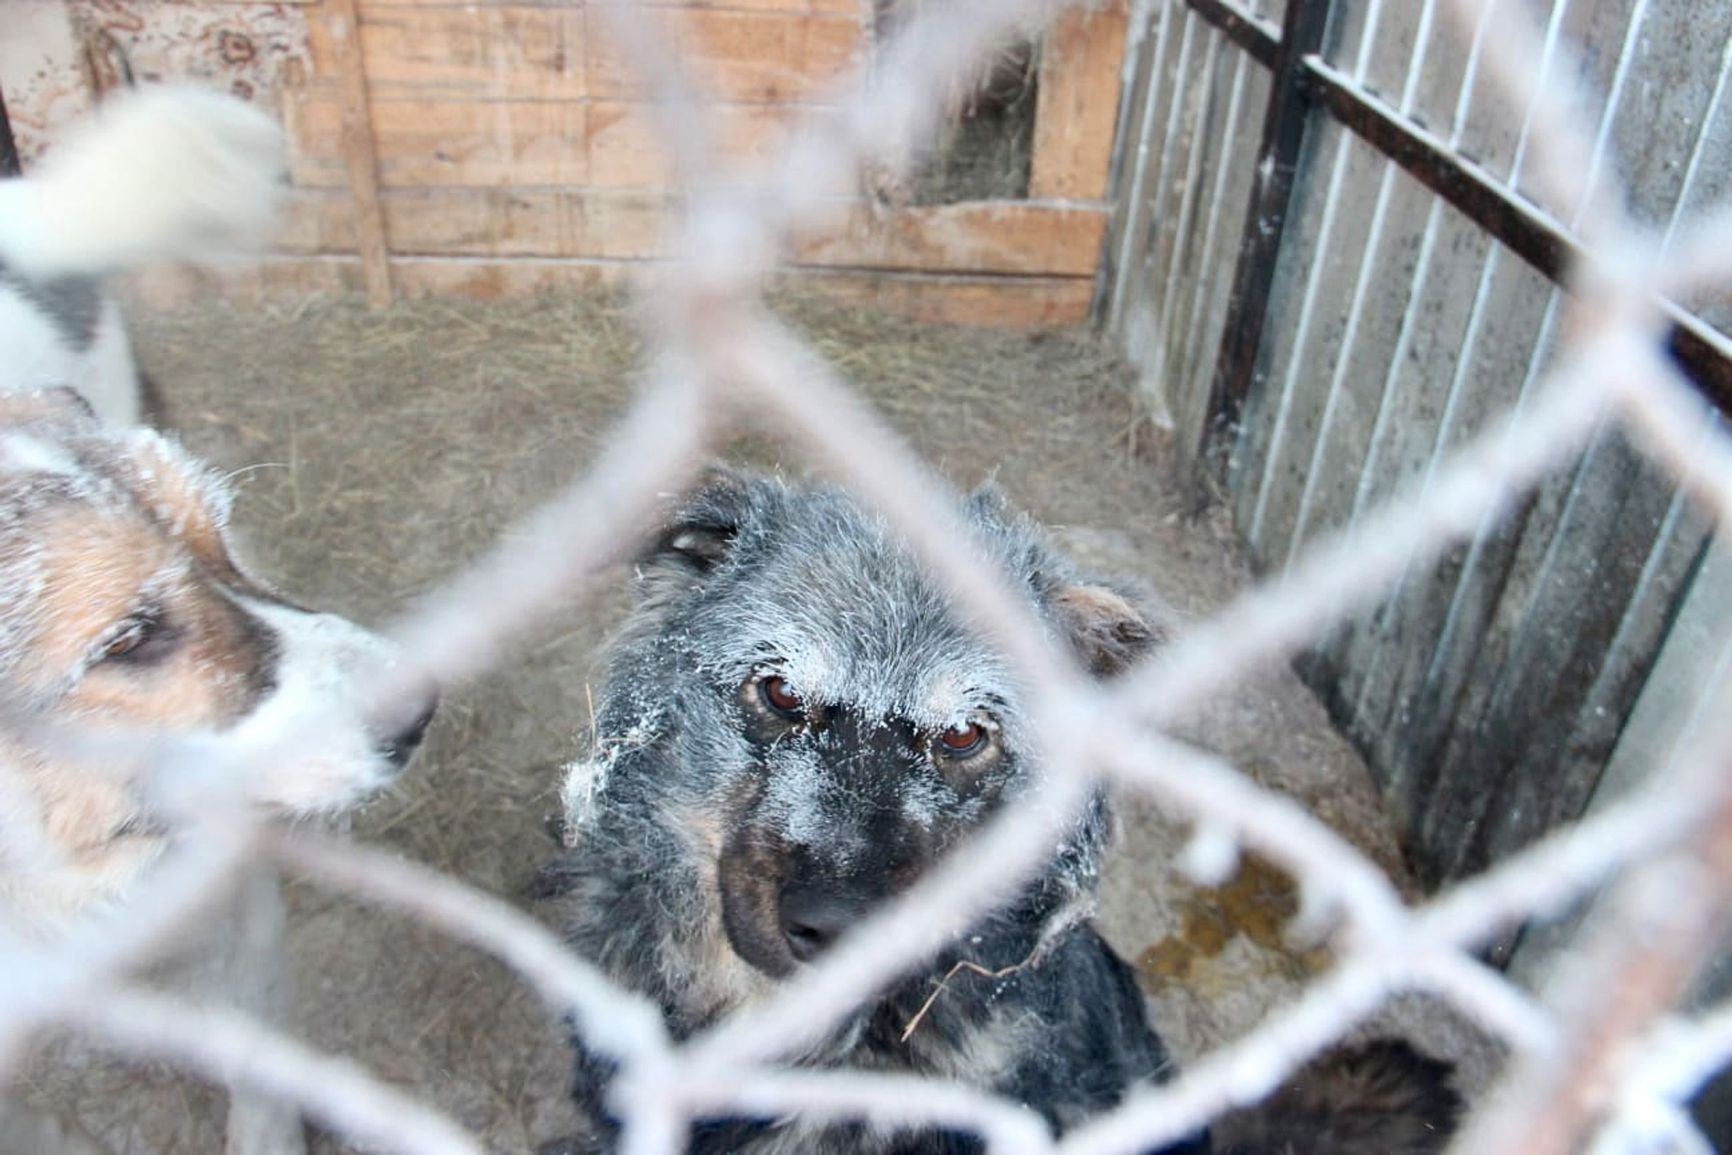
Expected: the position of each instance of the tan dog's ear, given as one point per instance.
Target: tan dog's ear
(59, 404)
(1108, 633)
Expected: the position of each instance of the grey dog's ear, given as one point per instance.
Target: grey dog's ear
(1108, 633)
(1108, 630)
(701, 531)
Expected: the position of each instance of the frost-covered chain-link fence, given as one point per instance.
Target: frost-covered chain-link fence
(1600, 1055)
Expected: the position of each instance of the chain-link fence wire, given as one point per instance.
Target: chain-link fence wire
(1599, 1056)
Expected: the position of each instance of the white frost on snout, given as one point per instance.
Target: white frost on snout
(809, 808)
(923, 801)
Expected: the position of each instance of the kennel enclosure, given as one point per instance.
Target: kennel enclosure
(1316, 326)
(1308, 226)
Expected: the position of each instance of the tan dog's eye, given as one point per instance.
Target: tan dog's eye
(138, 639)
(778, 697)
(963, 741)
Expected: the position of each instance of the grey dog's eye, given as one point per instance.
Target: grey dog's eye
(778, 697)
(963, 741)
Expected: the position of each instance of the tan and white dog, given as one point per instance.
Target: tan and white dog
(124, 611)
(122, 606)
(125, 616)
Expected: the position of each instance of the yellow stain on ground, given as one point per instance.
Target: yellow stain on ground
(1256, 905)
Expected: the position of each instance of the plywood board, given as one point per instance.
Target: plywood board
(833, 7)
(523, 143)
(491, 52)
(987, 237)
(625, 151)
(445, 142)
(755, 57)
(486, 223)
(340, 23)
(993, 302)
(527, 52)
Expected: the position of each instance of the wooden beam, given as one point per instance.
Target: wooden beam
(1077, 104)
(1015, 238)
(744, 57)
(514, 143)
(518, 51)
(1026, 303)
(360, 156)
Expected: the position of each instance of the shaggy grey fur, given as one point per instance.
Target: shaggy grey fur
(794, 726)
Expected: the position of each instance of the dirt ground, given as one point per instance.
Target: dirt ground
(375, 453)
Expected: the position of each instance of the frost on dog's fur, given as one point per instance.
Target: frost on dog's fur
(715, 837)
(767, 766)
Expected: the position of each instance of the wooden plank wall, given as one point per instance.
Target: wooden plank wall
(503, 146)
(1491, 691)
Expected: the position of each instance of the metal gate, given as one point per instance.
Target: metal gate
(1330, 271)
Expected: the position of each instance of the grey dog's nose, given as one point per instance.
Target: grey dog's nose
(813, 918)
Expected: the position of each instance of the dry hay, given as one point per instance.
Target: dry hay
(377, 452)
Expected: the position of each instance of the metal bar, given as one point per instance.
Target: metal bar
(9, 165)
(1241, 27)
(1305, 329)
(1284, 122)
(1526, 230)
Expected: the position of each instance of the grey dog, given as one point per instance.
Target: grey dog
(795, 725)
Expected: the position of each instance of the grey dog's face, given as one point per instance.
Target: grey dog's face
(836, 807)
(837, 728)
